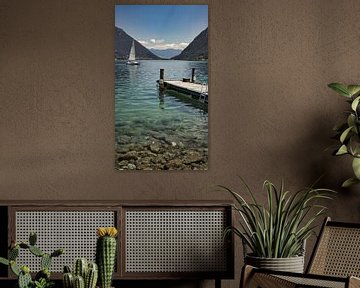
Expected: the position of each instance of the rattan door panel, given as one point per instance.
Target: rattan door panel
(165, 242)
(73, 230)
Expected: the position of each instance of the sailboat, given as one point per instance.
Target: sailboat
(131, 60)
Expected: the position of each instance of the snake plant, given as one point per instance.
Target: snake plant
(348, 132)
(279, 228)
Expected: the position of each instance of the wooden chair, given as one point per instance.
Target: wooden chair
(334, 263)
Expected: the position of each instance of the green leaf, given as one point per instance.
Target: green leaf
(349, 182)
(351, 120)
(340, 88)
(342, 150)
(4, 261)
(345, 134)
(355, 103)
(14, 268)
(353, 89)
(354, 145)
(356, 167)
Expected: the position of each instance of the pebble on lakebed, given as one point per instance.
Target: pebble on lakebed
(160, 156)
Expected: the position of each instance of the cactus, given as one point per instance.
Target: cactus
(91, 276)
(13, 253)
(42, 278)
(45, 261)
(68, 280)
(36, 251)
(32, 238)
(105, 254)
(24, 280)
(67, 269)
(43, 274)
(79, 282)
(80, 267)
(89, 272)
(57, 252)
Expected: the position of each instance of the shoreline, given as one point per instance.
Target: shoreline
(160, 155)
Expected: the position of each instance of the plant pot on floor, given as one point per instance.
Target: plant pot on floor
(290, 264)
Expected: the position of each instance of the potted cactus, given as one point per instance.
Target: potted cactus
(42, 278)
(106, 254)
(84, 275)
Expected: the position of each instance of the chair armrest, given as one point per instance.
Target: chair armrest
(252, 277)
(255, 277)
(354, 282)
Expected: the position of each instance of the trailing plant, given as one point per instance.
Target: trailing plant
(85, 275)
(105, 254)
(42, 278)
(279, 229)
(348, 132)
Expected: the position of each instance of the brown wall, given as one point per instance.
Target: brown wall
(271, 113)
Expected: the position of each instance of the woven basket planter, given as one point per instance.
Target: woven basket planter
(291, 264)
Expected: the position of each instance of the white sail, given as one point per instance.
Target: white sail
(132, 52)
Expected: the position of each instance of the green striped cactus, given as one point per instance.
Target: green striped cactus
(80, 267)
(68, 280)
(106, 254)
(91, 276)
(79, 282)
(84, 274)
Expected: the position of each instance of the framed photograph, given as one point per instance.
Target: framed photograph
(161, 87)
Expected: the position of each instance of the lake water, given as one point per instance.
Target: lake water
(159, 122)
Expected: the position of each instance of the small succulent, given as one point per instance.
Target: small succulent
(42, 283)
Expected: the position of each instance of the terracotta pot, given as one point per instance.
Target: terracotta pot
(291, 264)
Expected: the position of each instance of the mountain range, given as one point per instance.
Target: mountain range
(166, 53)
(123, 43)
(196, 50)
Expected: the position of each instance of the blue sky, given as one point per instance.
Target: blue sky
(162, 26)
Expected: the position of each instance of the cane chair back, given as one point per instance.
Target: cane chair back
(335, 262)
(337, 252)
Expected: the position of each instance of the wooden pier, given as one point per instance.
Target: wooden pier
(186, 86)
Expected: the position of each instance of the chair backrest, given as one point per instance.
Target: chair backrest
(337, 251)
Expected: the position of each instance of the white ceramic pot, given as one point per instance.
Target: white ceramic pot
(291, 264)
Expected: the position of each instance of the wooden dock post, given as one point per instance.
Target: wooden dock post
(161, 80)
(185, 86)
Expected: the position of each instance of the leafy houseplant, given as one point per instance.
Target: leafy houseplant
(349, 132)
(279, 229)
(42, 278)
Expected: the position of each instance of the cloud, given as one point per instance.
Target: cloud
(154, 41)
(161, 44)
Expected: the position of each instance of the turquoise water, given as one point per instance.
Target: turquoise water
(143, 113)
